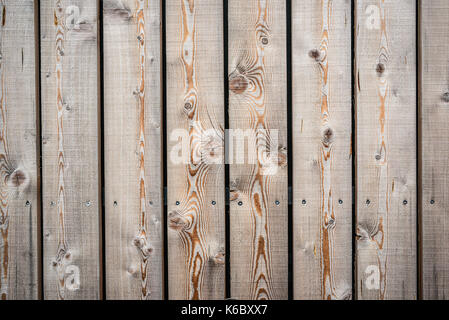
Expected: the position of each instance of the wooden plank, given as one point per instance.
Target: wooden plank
(70, 149)
(195, 117)
(133, 181)
(322, 160)
(259, 188)
(386, 149)
(19, 209)
(434, 91)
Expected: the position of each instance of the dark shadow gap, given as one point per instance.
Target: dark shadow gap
(40, 210)
(227, 172)
(354, 152)
(101, 154)
(290, 149)
(164, 143)
(418, 155)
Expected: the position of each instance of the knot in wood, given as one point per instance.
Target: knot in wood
(445, 97)
(176, 221)
(314, 54)
(380, 69)
(328, 136)
(219, 258)
(17, 178)
(238, 84)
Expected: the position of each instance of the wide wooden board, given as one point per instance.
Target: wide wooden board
(70, 149)
(133, 154)
(386, 200)
(19, 184)
(259, 184)
(195, 136)
(322, 159)
(434, 149)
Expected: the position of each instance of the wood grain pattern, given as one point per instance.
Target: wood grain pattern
(259, 194)
(322, 149)
(133, 154)
(386, 149)
(70, 149)
(19, 204)
(434, 149)
(196, 227)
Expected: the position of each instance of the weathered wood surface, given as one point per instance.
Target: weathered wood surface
(322, 161)
(70, 149)
(434, 157)
(195, 132)
(133, 177)
(19, 194)
(386, 149)
(259, 190)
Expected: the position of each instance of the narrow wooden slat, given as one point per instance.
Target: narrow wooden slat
(195, 130)
(133, 194)
(259, 188)
(386, 149)
(19, 207)
(434, 85)
(322, 161)
(70, 149)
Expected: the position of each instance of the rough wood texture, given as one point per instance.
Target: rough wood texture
(434, 83)
(19, 204)
(322, 161)
(386, 149)
(69, 79)
(259, 190)
(133, 184)
(196, 226)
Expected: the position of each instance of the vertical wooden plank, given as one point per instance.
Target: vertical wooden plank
(70, 149)
(259, 188)
(19, 207)
(434, 85)
(322, 161)
(386, 149)
(133, 184)
(195, 129)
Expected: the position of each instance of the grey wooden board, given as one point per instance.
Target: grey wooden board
(322, 160)
(259, 190)
(70, 149)
(133, 154)
(195, 186)
(19, 186)
(434, 157)
(386, 149)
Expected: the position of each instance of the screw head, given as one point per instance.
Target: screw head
(177, 203)
(368, 201)
(115, 203)
(27, 203)
(304, 201)
(340, 201)
(88, 203)
(240, 203)
(277, 202)
(432, 201)
(404, 202)
(214, 202)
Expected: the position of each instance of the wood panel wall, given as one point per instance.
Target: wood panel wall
(132, 135)
(322, 161)
(121, 180)
(70, 140)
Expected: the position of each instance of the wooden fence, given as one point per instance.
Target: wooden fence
(352, 98)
